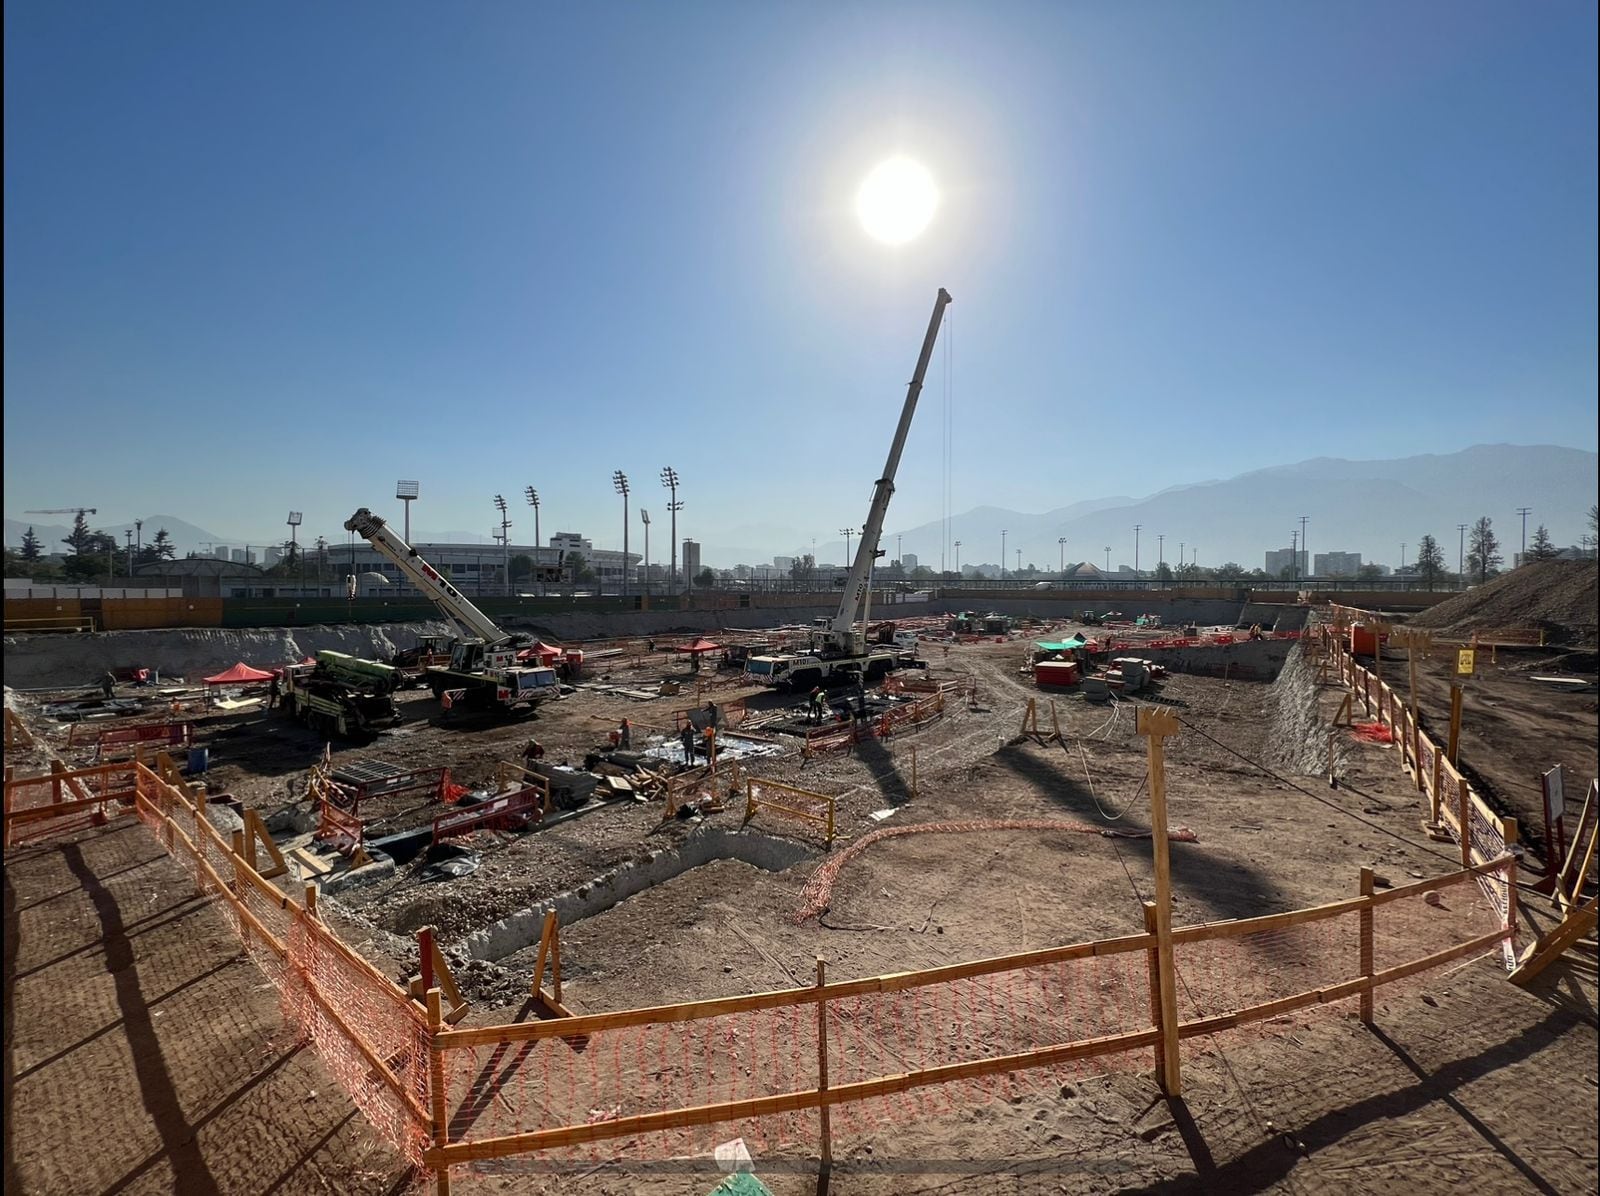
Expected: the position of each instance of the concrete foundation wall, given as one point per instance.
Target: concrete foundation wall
(1253, 660)
(39, 661)
(707, 843)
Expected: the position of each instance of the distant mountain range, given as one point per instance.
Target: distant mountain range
(1369, 507)
(186, 536)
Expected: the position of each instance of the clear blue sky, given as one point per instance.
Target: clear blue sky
(263, 256)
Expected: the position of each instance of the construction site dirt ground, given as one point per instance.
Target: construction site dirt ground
(1465, 1079)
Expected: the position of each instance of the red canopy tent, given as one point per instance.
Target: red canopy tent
(547, 653)
(241, 674)
(699, 646)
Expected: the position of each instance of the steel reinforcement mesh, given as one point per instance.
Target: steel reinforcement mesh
(517, 1087)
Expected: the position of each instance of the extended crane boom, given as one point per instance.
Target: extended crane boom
(472, 621)
(841, 634)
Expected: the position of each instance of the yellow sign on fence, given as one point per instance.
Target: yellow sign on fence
(1465, 659)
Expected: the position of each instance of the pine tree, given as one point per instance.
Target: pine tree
(1430, 561)
(79, 538)
(1483, 549)
(32, 550)
(164, 548)
(1543, 548)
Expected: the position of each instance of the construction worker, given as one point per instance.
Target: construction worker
(713, 714)
(532, 753)
(273, 691)
(625, 734)
(814, 709)
(711, 743)
(108, 684)
(687, 738)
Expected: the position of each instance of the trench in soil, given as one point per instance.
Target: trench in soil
(706, 845)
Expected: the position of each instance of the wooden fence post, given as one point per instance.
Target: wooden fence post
(311, 898)
(1367, 968)
(425, 953)
(239, 883)
(197, 806)
(1438, 769)
(822, 1068)
(1155, 724)
(1508, 828)
(1464, 813)
(1153, 967)
(438, 1106)
(1455, 723)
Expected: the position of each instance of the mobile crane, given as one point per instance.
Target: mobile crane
(483, 673)
(342, 695)
(839, 652)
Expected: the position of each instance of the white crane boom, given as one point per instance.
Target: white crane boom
(426, 578)
(841, 634)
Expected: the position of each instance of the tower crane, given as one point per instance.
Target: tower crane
(65, 511)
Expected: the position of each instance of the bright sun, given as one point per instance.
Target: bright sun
(897, 200)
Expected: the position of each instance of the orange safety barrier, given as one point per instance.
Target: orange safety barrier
(790, 802)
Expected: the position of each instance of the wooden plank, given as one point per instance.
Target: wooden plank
(826, 1128)
(779, 998)
(789, 1102)
(1482, 941)
(1551, 945)
(1365, 951)
(1235, 927)
(1401, 892)
(438, 1094)
(1155, 724)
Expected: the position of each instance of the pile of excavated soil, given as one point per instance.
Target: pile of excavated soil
(1558, 596)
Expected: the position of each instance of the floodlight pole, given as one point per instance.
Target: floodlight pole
(406, 491)
(619, 480)
(294, 549)
(644, 517)
(1062, 541)
(1002, 554)
(505, 540)
(1524, 512)
(669, 479)
(532, 496)
(1136, 528)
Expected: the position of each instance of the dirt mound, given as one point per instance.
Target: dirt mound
(1558, 596)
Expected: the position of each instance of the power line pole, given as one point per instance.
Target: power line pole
(1136, 528)
(1002, 554)
(1461, 557)
(1303, 551)
(1524, 512)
